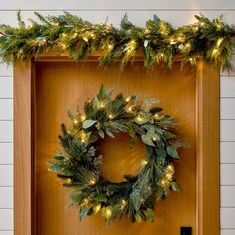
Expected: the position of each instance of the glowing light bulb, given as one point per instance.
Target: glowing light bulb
(215, 51)
(83, 118)
(154, 138)
(75, 121)
(132, 41)
(128, 98)
(139, 118)
(156, 115)
(179, 39)
(110, 47)
(110, 116)
(220, 40)
(170, 168)
(92, 182)
(83, 137)
(124, 202)
(144, 162)
(219, 26)
(31, 25)
(163, 182)
(108, 213)
(68, 181)
(172, 41)
(129, 109)
(187, 45)
(146, 31)
(202, 23)
(169, 176)
(92, 35)
(100, 105)
(63, 46)
(85, 201)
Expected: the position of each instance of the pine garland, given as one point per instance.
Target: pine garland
(79, 164)
(211, 41)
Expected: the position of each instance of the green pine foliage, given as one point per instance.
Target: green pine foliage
(159, 42)
(79, 163)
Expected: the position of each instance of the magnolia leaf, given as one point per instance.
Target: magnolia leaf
(155, 137)
(85, 39)
(95, 103)
(98, 161)
(168, 135)
(159, 193)
(83, 212)
(109, 133)
(88, 123)
(133, 140)
(96, 208)
(146, 42)
(59, 156)
(149, 103)
(156, 19)
(138, 218)
(161, 154)
(70, 115)
(172, 152)
(176, 187)
(141, 120)
(103, 93)
(117, 104)
(156, 110)
(55, 167)
(101, 133)
(149, 215)
(100, 198)
(147, 140)
(181, 46)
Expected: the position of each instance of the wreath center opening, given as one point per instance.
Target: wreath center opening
(121, 157)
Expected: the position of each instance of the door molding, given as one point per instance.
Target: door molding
(207, 145)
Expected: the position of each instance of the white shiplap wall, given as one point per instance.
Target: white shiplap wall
(179, 13)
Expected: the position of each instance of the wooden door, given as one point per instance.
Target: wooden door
(45, 89)
(60, 86)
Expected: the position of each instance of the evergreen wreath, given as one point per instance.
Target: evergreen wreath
(79, 164)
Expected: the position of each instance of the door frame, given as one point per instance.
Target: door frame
(207, 145)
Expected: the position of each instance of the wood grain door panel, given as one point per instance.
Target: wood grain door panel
(60, 86)
(44, 89)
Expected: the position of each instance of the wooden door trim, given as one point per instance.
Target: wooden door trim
(23, 147)
(207, 146)
(208, 149)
